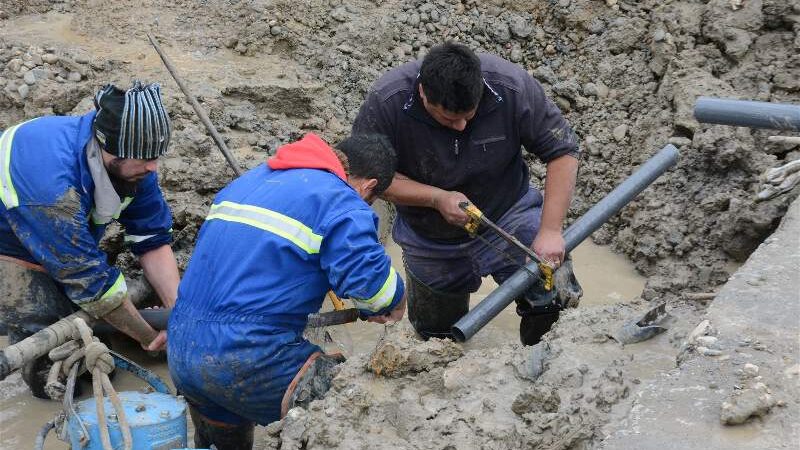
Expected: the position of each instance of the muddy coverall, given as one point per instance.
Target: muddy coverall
(274, 242)
(57, 200)
(485, 163)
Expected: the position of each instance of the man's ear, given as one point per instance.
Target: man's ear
(370, 184)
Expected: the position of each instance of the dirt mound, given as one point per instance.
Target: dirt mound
(556, 395)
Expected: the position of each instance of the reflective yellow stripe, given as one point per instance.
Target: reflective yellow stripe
(8, 195)
(124, 204)
(384, 296)
(268, 220)
(119, 287)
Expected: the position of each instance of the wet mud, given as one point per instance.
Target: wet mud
(624, 73)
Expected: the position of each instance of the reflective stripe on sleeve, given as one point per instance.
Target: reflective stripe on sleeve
(134, 239)
(384, 296)
(119, 287)
(8, 195)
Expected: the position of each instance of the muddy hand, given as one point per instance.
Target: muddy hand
(392, 316)
(446, 202)
(157, 344)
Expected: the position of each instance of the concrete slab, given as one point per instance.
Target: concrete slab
(756, 320)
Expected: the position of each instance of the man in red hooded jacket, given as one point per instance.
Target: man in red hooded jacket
(276, 240)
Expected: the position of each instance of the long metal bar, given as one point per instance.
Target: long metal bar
(197, 108)
(593, 219)
(743, 113)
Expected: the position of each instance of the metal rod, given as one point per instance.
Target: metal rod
(515, 286)
(743, 113)
(197, 108)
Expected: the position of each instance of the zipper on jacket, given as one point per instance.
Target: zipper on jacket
(455, 148)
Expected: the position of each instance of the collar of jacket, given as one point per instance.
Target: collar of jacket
(107, 203)
(490, 100)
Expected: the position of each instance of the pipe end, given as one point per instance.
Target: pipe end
(458, 335)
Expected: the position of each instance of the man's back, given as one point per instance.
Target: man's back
(261, 255)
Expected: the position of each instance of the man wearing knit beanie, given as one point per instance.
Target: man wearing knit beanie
(62, 181)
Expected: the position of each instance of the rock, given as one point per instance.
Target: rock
(414, 20)
(50, 58)
(29, 78)
(679, 141)
(592, 145)
(23, 90)
(598, 89)
(3, 81)
(659, 35)
(520, 27)
(277, 30)
(400, 352)
(516, 55)
(550, 49)
(741, 405)
(750, 370)
(500, 32)
(230, 42)
(707, 341)
(74, 77)
(620, 132)
(36, 59)
(564, 3)
(14, 65)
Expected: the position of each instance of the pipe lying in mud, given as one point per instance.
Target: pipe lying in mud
(742, 113)
(40, 343)
(593, 219)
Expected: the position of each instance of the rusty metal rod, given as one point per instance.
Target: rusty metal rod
(197, 108)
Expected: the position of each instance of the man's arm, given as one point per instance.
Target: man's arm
(559, 185)
(407, 192)
(358, 267)
(57, 237)
(162, 272)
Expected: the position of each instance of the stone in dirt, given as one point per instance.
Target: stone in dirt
(401, 352)
(744, 404)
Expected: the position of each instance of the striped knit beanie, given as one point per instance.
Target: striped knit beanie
(132, 123)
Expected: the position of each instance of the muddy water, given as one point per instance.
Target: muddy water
(606, 278)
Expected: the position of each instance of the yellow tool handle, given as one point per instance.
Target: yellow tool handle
(475, 216)
(338, 304)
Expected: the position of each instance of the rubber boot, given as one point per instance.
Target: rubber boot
(316, 381)
(533, 326)
(222, 436)
(432, 313)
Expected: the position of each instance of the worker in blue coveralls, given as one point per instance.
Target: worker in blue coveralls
(275, 241)
(62, 181)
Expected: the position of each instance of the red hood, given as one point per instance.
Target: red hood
(310, 152)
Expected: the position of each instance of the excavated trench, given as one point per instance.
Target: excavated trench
(625, 74)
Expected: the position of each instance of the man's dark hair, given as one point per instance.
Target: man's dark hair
(451, 77)
(370, 156)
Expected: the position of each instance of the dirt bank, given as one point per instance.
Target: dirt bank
(626, 75)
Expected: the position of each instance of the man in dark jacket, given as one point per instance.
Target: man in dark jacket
(62, 181)
(458, 122)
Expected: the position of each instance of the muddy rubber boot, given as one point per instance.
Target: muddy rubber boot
(221, 436)
(432, 313)
(533, 326)
(316, 381)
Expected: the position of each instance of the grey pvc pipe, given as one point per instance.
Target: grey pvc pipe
(521, 280)
(743, 113)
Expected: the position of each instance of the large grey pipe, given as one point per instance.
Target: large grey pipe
(742, 113)
(593, 219)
